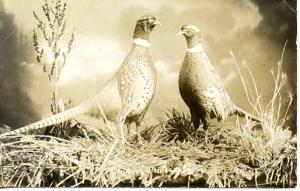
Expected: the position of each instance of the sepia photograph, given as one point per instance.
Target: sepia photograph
(148, 94)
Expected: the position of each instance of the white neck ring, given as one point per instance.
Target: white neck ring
(141, 42)
(196, 48)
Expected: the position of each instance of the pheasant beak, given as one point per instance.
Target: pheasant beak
(180, 33)
(157, 23)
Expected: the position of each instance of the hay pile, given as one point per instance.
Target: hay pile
(171, 153)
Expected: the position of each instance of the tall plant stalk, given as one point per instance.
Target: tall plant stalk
(50, 46)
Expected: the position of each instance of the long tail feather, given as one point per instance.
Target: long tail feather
(242, 113)
(52, 120)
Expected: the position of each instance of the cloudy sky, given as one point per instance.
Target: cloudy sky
(254, 30)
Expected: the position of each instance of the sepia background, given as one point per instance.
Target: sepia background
(254, 30)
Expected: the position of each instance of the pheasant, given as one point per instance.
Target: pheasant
(200, 86)
(127, 95)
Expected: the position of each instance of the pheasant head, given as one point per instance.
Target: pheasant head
(144, 26)
(191, 34)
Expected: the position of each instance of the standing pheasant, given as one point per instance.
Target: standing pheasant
(200, 86)
(127, 95)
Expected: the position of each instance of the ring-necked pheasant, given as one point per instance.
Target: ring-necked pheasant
(200, 86)
(127, 95)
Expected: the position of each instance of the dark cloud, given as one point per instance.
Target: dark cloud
(278, 25)
(279, 21)
(15, 105)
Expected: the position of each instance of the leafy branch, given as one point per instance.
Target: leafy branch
(50, 47)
